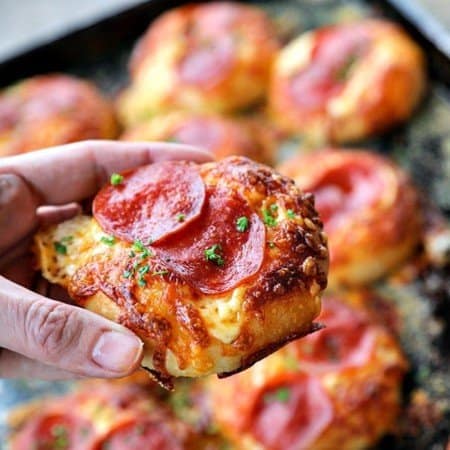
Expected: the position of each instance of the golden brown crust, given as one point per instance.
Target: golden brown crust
(49, 110)
(371, 239)
(221, 136)
(348, 416)
(211, 58)
(186, 332)
(376, 86)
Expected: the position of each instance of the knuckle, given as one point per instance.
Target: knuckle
(52, 327)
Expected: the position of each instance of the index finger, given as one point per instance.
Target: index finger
(73, 172)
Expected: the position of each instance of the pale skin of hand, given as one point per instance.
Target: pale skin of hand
(41, 337)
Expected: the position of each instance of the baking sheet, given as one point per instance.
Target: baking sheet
(422, 146)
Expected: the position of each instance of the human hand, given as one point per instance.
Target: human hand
(41, 337)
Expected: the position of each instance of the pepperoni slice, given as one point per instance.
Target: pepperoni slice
(291, 415)
(142, 434)
(57, 431)
(238, 254)
(151, 202)
(345, 189)
(201, 131)
(206, 62)
(336, 49)
(347, 340)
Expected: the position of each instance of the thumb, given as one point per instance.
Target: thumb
(65, 336)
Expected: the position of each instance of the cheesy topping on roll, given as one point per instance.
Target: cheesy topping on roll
(345, 82)
(371, 211)
(49, 110)
(213, 57)
(322, 392)
(213, 266)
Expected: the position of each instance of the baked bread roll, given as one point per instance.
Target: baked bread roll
(339, 388)
(213, 266)
(49, 110)
(370, 209)
(346, 82)
(220, 135)
(213, 57)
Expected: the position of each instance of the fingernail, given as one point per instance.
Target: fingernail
(117, 352)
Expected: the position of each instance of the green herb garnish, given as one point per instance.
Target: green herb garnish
(116, 179)
(212, 255)
(242, 224)
(181, 217)
(281, 395)
(160, 272)
(290, 213)
(127, 273)
(344, 71)
(108, 240)
(60, 248)
(61, 437)
(268, 219)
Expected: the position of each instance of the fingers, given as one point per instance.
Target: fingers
(73, 172)
(13, 365)
(17, 210)
(49, 215)
(65, 337)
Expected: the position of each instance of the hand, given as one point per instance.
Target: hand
(40, 337)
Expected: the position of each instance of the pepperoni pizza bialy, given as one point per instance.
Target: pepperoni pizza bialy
(222, 136)
(213, 266)
(339, 388)
(346, 82)
(370, 209)
(213, 57)
(49, 110)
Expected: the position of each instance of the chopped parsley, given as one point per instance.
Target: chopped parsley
(67, 239)
(181, 217)
(108, 240)
(212, 255)
(144, 269)
(61, 437)
(139, 247)
(290, 213)
(242, 224)
(141, 281)
(344, 71)
(269, 220)
(116, 179)
(127, 273)
(281, 395)
(274, 207)
(60, 248)
(160, 272)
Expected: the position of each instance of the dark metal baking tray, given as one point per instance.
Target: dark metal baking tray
(100, 51)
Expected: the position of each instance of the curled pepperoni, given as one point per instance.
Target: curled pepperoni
(347, 340)
(151, 202)
(291, 415)
(346, 189)
(212, 255)
(142, 434)
(335, 51)
(56, 431)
